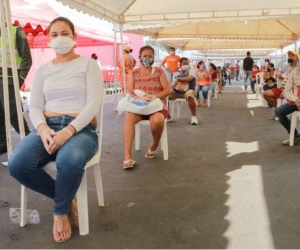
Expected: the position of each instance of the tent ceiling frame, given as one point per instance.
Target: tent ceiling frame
(216, 15)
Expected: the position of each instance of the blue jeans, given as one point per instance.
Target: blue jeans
(26, 162)
(213, 88)
(237, 73)
(282, 112)
(252, 85)
(204, 90)
(247, 75)
(169, 75)
(266, 87)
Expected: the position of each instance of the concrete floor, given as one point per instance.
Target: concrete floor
(228, 183)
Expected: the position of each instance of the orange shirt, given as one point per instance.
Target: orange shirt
(203, 81)
(172, 62)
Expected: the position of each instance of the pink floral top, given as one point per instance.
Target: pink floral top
(151, 85)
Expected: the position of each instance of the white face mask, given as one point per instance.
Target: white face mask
(184, 67)
(62, 44)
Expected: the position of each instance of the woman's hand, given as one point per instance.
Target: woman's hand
(46, 135)
(60, 139)
(148, 98)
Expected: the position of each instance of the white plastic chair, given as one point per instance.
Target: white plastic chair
(294, 118)
(259, 88)
(81, 194)
(177, 102)
(163, 139)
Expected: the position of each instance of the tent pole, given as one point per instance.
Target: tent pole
(5, 79)
(6, 17)
(122, 58)
(157, 51)
(115, 64)
(281, 63)
(276, 60)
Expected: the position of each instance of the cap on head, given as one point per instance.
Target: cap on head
(295, 53)
(128, 49)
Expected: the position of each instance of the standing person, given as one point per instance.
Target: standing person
(188, 75)
(24, 62)
(247, 67)
(65, 98)
(153, 81)
(237, 70)
(131, 55)
(228, 72)
(170, 64)
(128, 63)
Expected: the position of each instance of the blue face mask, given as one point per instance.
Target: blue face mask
(147, 62)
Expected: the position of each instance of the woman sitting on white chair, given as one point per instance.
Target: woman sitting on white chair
(154, 82)
(65, 98)
(270, 77)
(203, 83)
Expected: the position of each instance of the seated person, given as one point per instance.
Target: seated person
(154, 82)
(292, 93)
(214, 78)
(65, 98)
(270, 77)
(189, 95)
(273, 94)
(203, 83)
(220, 79)
(253, 77)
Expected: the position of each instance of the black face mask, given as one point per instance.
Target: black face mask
(290, 60)
(269, 70)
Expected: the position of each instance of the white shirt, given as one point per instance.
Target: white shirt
(72, 87)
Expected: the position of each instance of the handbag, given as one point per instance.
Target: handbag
(136, 104)
(270, 82)
(181, 87)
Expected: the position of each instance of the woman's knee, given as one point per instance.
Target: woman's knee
(18, 166)
(157, 120)
(132, 118)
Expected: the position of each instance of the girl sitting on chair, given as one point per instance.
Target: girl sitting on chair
(154, 82)
(65, 98)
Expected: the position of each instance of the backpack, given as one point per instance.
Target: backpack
(182, 87)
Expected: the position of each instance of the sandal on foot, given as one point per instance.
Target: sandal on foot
(61, 219)
(128, 163)
(73, 214)
(150, 154)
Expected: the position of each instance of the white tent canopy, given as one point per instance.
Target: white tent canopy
(234, 24)
(173, 12)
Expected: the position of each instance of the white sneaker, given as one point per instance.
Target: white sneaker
(194, 120)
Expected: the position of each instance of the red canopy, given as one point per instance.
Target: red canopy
(35, 18)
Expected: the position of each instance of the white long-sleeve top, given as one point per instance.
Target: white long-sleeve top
(72, 87)
(291, 84)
